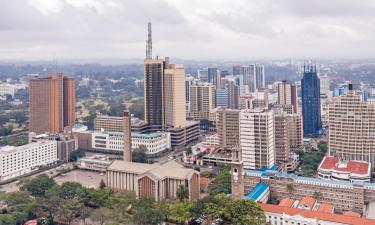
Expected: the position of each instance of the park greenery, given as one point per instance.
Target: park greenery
(310, 160)
(42, 199)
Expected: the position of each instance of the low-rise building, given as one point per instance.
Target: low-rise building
(21, 160)
(334, 168)
(158, 181)
(97, 163)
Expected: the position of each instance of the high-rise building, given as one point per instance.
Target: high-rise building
(202, 100)
(108, 123)
(153, 92)
(212, 74)
(221, 97)
(287, 95)
(324, 83)
(253, 76)
(260, 79)
(174, 96)
(203, 75)
(351, 128)
(288, 134)
(227, 127)
(233, 94)
(257, 138)
(52, 103)
(311, 109)
(246, 102)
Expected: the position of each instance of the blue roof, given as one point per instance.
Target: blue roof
(257, 191)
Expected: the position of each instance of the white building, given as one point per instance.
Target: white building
(257, 138)
(17, 161)
(7, 89)
(155, 142)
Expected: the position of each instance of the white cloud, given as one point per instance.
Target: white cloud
(194, 29)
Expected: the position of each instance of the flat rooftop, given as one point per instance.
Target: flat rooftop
(336, 164)
(8, 149)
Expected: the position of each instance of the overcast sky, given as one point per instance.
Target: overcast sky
(187, 29)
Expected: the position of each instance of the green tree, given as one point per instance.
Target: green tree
(290, 188)
(69, 210)
(180, 212)
(39, 185)
(222, 182)
(75, 155)
(139, 154)
(147, 212)
(101, 215)
(69, 190)
(318, 195)
(182, 192)
(102, 184)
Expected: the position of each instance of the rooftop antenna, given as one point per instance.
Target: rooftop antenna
(149, 42)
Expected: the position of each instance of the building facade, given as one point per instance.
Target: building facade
(227, 127)
(108, 123)
(21, 160)
(351, 124)
(52, 103)
(257, 138)
(202, 100)
(287, 95)
(157, 181)
(311, 109)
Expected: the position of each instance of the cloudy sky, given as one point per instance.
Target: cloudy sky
(187, 29)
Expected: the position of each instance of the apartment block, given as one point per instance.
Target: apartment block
(202, 100)
(227, 127)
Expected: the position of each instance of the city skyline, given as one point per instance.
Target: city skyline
(116, 29)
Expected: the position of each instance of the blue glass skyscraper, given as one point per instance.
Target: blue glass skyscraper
(310, 91)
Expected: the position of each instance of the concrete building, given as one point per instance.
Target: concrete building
(52, 103)
(202, 100)
(351, 124)
(155, 142)
(98, 163)
(221, 97)
(127, 135)
(287, 95)
(324, 84)
(309, 211)
(108, 123)
(334, 168)
(227, 127)
(7, 89)
(66, 143)
(257, 138)
(158, 181)
(246, 102)
(21, 160)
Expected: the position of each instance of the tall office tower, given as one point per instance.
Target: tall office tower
(260, 79)
(69, 100)
(261, 98)
(324, 83)
(52, 103)
(227, 126)
(222, 98)
(174, 96)
(311, 112)
(233, 94)
(212, 74)
(295, 131)
(127, 136)
(153, 92)
(287, 95)
(282, 143)
(257, 138)
(189, 80)
(202, 100)
(203, 75)
(248, 73)
(351, 128)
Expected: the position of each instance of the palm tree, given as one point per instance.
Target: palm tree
(318, 195)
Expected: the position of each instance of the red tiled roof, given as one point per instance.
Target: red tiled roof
(351, 213)
(31, 222)
(307, 201)
(316, 214)
(358, 167)
(328, 208)
(204, 181)
(287, 202)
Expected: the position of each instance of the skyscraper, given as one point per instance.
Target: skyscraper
(287, 95)
(257, 138)
(202, 100)
(52, 103)
(311, 111)
(213, 75)
(260, 79)
(351, 128)
(164, 91)
(253, 76)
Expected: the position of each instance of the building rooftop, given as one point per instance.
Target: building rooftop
(336, 164)
(9, 149)
(351, 213)
(324, 216)
(257, 191)
(286, 202)
(306, 203)
(328, 208)
(170, 169)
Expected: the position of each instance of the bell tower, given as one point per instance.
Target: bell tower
(237, 173)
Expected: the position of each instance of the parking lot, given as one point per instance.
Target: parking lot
(88, 179)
